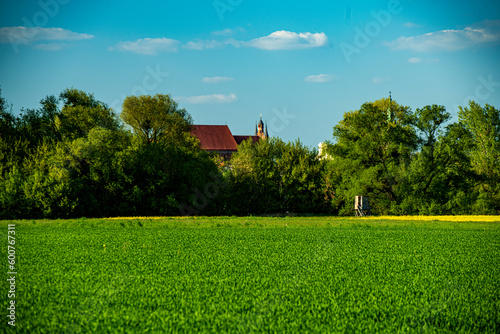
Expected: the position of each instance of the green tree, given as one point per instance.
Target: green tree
(156, 118)
(12, 152)
(437, 180)
(39, 125)
(429, 121)
(100, 166)
(50, 182)
(7, 119)
(483, 127)
(372, 147)
(273, 176)
(81, 112)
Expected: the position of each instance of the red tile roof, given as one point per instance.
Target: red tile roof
(214, 137)
(240, 139)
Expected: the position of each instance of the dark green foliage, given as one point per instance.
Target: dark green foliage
(371, 154)
(81, 113)
(74, 157)
(415, 164)
(7, 120)
(50, 184)
(39, 125)
(482, 125)
(272, 176)
(79, 161)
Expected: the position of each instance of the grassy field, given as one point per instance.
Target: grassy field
(254, 274)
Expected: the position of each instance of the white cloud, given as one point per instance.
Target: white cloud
(414, 60)
(286, 40)
(214, 98)
(203, 45)
(227, 32)
(279, 40)
(215, 80)
(380, 80)
(28, 36)
(148, 46)
(319, 78)
(483, 33)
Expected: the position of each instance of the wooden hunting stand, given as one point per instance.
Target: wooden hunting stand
(361, 206)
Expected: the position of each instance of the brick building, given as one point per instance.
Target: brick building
(218, 138)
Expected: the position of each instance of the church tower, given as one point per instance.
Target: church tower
(259, 129)
(390, 113)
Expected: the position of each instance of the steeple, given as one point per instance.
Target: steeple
(390, 113)
(259, 131)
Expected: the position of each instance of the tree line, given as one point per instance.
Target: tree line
(75, 157)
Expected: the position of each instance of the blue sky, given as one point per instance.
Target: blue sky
(299, 64)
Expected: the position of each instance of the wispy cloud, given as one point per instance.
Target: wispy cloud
(483, 33)
(148, 46)
(319, 78)
(287, 40)
(227, 32)
(203, 45)
(416, 60)
(213, 98)
(380, 80)
(215, 80)
(30, 36)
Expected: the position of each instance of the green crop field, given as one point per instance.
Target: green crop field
(253, 274)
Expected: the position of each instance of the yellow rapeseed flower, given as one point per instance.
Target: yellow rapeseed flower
(441, 218)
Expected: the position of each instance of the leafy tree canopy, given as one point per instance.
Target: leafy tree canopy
(81, 113)
(156, 118)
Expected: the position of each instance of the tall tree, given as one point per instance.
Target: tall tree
(372, 147)
(156, 118)
(483, 126)
(431, 185)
